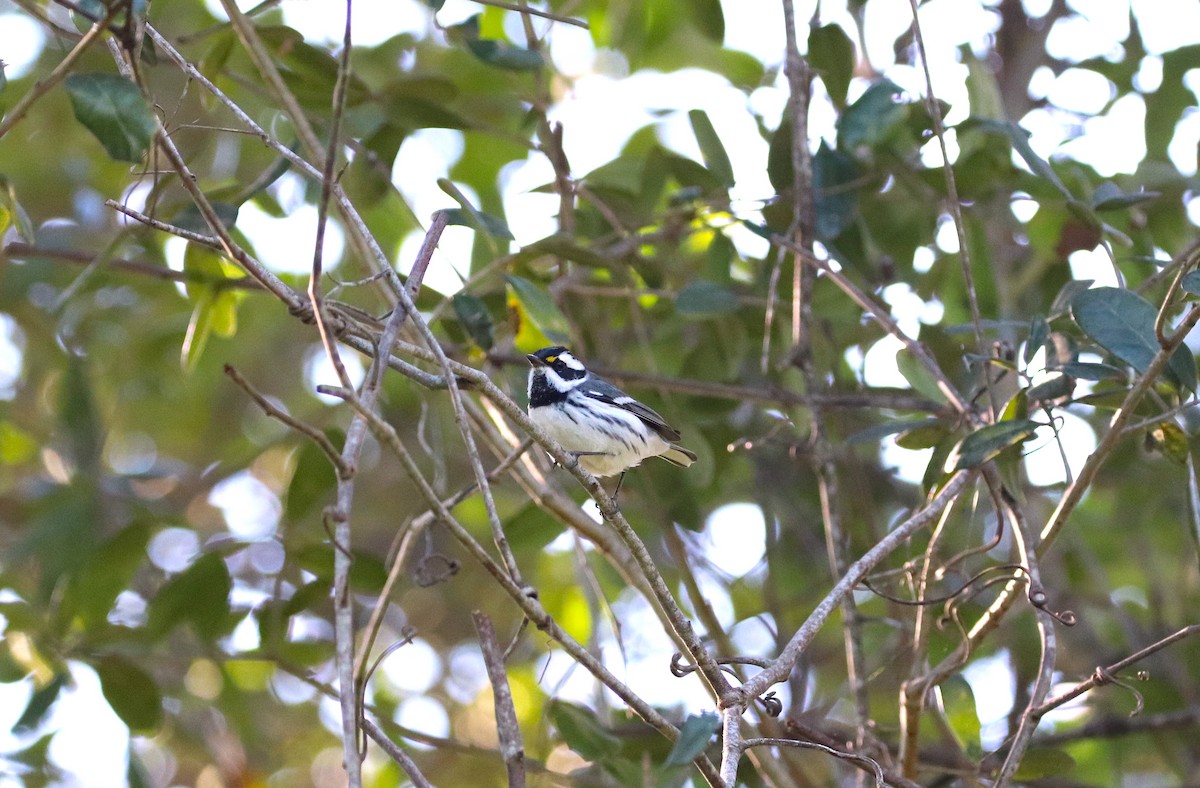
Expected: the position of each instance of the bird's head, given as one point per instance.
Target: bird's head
(558, 360)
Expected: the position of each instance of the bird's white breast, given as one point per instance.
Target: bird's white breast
(613, 456)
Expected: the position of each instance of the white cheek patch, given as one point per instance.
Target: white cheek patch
(570, 361)
(559, 384)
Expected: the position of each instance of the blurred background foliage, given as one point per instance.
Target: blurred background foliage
(161, 535)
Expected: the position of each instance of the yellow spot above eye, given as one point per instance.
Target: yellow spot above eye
(551, 359)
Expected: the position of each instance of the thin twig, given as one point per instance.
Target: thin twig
(524, 9)
(43, 86)
(860, 760)
(507, 727)
(28, 251)
(1102, 675)
(527, 601)
(211, 241)
(964, 255)
(314, 434)
(783, 664)
(394, 751)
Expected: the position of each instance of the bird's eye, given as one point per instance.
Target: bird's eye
(551, 359)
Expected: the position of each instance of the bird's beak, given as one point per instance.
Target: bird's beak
(535, 361)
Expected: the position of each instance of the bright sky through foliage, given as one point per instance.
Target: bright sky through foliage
(600, 107)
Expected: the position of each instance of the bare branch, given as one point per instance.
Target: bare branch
(507, 727)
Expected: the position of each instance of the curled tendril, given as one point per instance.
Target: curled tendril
(1101, 677)
(950, 597)
(679, 668)
(435, 568)
(1038, 598)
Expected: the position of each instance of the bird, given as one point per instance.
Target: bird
(607, 430)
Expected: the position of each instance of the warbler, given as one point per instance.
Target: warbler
(608, 430)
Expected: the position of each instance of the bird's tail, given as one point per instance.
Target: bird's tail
(677, 455)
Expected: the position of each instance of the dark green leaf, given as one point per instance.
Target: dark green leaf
(582, 731)
(495, 52)
(1056, 387)
(1039, 332)
(1020, 142)
(701, 298)
(541, 309)
(1122, 322)
(40, 703)
(695, 733)
(478, 220)
(476, 319)
(872, 434)
(1109, 197)
(191, 219)
(831, 53)
(199, 595)
(1191, 282)
(113, 109)
(871, 118)
(1064, 297)
(131, 692)
(1086, 370)
(107, 572)
(834, 175)
(988, 442)
(715, 157)
(313, 480)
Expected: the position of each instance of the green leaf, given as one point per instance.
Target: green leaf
(831, 53)
(918, 376)
(709, 19)
(493, 51)
(478, 220)
(700, 298)
(474, 315)
(695, 733)
(40, 703)
(1042, 762)
(879, 431)
(1109, 197)
(199, 595)
(113, 109)
(1087, 370)
(12, 212)
(989, 442)
(1039, 332)
(582, 731)
(836, 204)
(1122, 322)
(541, 309)
(715, 157)
(93, 590)
(1191, 282)
(871, 119)
(200, 326)
(1020, 142)
(313, 480)
(131, 692)
(962, 715)
(924, 437)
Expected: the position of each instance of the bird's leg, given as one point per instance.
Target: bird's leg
(617, 491)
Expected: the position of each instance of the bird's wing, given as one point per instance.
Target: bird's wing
(603, 391)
